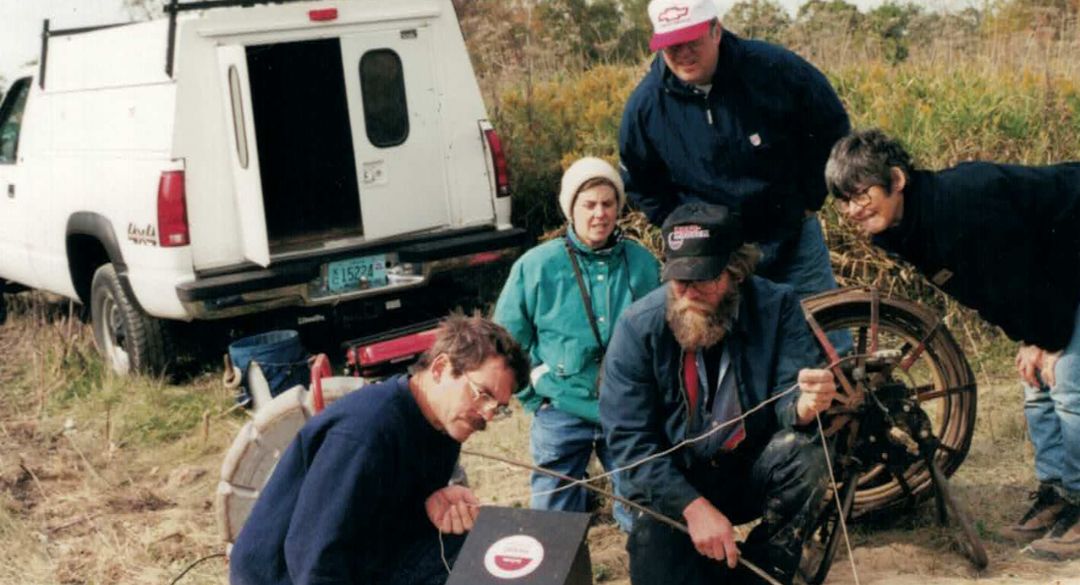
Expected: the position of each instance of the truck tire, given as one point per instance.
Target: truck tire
(3, 306)
(130, 340)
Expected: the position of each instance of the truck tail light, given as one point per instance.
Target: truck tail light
(369, 358)
(322, 14)
(172, 210)
(498, 161)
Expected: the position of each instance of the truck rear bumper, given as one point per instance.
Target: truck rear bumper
(299, 281)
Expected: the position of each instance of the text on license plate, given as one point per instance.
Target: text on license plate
(366, 272)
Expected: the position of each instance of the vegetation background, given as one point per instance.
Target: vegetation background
(107, 480)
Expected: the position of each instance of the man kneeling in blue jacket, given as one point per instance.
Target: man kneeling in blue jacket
(705, 350)
(361, 495)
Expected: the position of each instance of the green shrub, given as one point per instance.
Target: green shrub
(945, 112)
(550, 124)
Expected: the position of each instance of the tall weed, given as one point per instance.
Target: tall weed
(1020, 106)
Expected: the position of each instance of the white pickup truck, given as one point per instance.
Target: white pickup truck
(240, 157)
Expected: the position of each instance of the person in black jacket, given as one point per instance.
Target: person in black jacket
(1005, 241)
(361, 495)
(742, 123)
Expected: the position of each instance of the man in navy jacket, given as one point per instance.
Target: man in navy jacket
(695, 358)
(736, 122)
(1005, 241)
(361, 495)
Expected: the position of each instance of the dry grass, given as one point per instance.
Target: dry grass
(99, 485)
(102, 480)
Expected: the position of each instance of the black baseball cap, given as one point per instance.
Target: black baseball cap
(699, 239)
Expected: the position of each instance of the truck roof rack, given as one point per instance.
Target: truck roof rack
(46, 32)
(175, 7)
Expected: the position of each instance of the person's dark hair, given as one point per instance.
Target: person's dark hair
(863, 159)
(469, 341)
(743, 261)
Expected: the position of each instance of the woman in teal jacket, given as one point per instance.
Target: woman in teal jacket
(560, 302)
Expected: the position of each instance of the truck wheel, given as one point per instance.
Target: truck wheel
(130, 340)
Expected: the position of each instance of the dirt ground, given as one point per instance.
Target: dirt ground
(909, 549)
(78, 506)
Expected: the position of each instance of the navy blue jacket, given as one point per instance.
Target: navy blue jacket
(1001, 239)
(643, 404)
(759, 140)
(348, 494)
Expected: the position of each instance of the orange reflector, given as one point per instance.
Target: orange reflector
(322, 14)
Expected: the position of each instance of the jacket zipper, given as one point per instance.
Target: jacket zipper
(682, 388)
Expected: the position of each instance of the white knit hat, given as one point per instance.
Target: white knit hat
(579, 173)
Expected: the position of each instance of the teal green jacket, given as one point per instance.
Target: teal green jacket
(542, 308)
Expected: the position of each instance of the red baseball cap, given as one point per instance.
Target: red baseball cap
(679, 21)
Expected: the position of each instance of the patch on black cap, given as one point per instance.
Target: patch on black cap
(699, 239)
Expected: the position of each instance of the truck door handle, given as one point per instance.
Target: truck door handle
(11, 190)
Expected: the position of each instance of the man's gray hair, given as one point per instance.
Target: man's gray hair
(863, 159)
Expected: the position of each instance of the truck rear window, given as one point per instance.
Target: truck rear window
(382, 85)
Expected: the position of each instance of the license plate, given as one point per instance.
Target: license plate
(356, 273)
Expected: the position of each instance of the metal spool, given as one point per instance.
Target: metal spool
(904, 419)
(916, 349)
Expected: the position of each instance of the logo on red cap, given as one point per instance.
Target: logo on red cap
(673, 14)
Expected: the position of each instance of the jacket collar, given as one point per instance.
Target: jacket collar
(907, 235)
(614, 245)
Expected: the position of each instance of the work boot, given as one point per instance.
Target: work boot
(1040, 518)
(1063, 542)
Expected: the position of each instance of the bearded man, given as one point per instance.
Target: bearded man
(694, 359)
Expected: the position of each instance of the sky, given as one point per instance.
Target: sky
(21, 20)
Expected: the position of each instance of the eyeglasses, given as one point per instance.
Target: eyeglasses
(488, 403)
(860, 199)
(702, 286)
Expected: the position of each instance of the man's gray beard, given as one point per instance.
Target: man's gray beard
(694, 329)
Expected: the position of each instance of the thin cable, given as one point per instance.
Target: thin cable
(585, 480)
(657, 515)
(836, 494)
(670, 450)
(442, 551)
(193, 565)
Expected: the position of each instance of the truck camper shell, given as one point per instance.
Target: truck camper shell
(241, 156)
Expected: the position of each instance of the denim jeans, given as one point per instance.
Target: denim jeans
(784, 485)
(564, 443)
(1053, 416)
(803, 264)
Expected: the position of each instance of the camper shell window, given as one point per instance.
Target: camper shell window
(238, 117)
(11, 119)
(382, 83)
